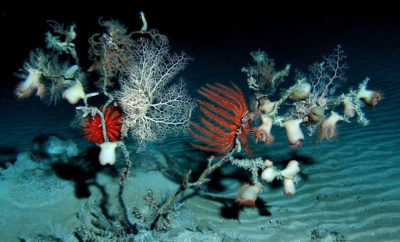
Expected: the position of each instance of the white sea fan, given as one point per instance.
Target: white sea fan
(152, 107)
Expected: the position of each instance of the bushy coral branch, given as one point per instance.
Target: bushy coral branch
(323, 76)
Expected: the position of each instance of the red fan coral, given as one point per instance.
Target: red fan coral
(93, 132)
(225, 121)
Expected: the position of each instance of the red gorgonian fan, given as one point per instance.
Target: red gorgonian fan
(93, 131)
(224, 121)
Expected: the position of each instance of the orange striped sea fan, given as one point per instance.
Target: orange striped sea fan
(223, 120)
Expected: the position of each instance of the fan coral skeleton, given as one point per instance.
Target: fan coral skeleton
(227, 120)
(153, 107)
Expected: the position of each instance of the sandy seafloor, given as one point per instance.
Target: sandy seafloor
(349, 191)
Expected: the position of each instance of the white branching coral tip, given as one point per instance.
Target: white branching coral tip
(288, 175)
(71, 72)
(74, 93)
(248, 194)
(107, 153)
(293, 132)
(328, 126)
(281, 74)
(144, 21)
(252, 82)
(259, 56)
(270, 172)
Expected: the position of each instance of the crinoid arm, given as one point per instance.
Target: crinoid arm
(221, 123)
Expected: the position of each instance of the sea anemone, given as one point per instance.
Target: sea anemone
(288, 175)
(349, 107)
(270, 173)
(107, 153)
(74, 93)
(369, 97)
(247, 195)
(328, 126)
(263, 132)
(30, 84)
(301, 92)
(266, 106)
(293, 132)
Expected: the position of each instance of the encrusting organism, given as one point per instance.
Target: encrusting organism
(224, 121)
(93, 132)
